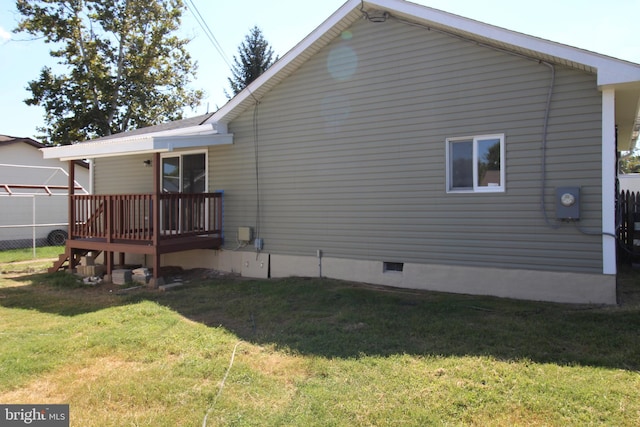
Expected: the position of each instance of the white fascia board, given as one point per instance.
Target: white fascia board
(170, 143)
(87, 150)
(131, 146)
(203, 129)
(122, 145)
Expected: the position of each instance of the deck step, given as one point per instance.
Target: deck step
(65, 258)
(57, 265)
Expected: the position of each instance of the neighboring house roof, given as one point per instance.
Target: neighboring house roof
(6, 140)
(621, 75)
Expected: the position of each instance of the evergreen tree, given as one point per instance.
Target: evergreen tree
(125, 67)
(255, 57)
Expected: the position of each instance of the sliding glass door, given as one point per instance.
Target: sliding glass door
(183, 174)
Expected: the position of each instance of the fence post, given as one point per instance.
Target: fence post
(33, 224)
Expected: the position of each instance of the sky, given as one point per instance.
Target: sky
(607, 27)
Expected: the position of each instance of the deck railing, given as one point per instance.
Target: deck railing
(130, 217)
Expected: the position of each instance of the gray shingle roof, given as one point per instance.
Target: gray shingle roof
(176, 124)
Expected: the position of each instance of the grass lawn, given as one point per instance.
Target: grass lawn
(311, 352)
(26, 254)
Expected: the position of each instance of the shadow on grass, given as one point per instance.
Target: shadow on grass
(337, 319)
(57, 293)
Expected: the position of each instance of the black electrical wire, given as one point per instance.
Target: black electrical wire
(205, 27)
(255, 146)
(546, 118)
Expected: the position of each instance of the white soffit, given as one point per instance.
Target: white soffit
(134, 145)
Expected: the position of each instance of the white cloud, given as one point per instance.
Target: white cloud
(5, 35)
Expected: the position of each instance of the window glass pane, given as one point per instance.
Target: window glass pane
(171, 174)
(489, 163)
(461, 164)
(194, 173)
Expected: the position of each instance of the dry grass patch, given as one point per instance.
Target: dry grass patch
(70, 382)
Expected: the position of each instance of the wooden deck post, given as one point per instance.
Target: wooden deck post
(108, 255)
(71, 213)
(157, 280)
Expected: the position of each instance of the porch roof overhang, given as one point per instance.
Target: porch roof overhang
(157, 142)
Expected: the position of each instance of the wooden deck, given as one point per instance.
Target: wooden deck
(151, 224)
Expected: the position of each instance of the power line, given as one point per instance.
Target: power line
(205, 27)
(207, 31)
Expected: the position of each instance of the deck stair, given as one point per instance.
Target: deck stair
(64, 258)
(59, 263)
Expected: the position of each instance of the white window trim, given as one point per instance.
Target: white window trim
(180, 154)
(476, 188)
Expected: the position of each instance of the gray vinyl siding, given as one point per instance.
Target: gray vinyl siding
(356, 167)
(123, 175)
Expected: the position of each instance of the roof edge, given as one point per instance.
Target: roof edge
(36, 144)
(610, 71)
(280, 65)
(144, 143)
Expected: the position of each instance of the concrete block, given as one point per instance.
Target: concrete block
(141, 278)
(91, 270)
(121, 277)
(87, 260)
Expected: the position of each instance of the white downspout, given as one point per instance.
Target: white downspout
(608, 181)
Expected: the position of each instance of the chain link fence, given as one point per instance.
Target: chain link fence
(33, 221)
(33, 206)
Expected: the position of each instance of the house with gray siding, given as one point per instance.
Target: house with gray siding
(395, 145)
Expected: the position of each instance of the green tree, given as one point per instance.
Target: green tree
(125, 67)
(255, 56)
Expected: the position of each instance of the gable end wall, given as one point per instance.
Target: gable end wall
(351, 156)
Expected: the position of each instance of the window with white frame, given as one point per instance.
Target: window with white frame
(475, 164)
(183, 172)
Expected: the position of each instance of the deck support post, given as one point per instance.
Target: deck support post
(156, 219)
(108, 261)
(71, 213)
(108, 255)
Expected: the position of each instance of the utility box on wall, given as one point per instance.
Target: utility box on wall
(245, 234)
(568, 203)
